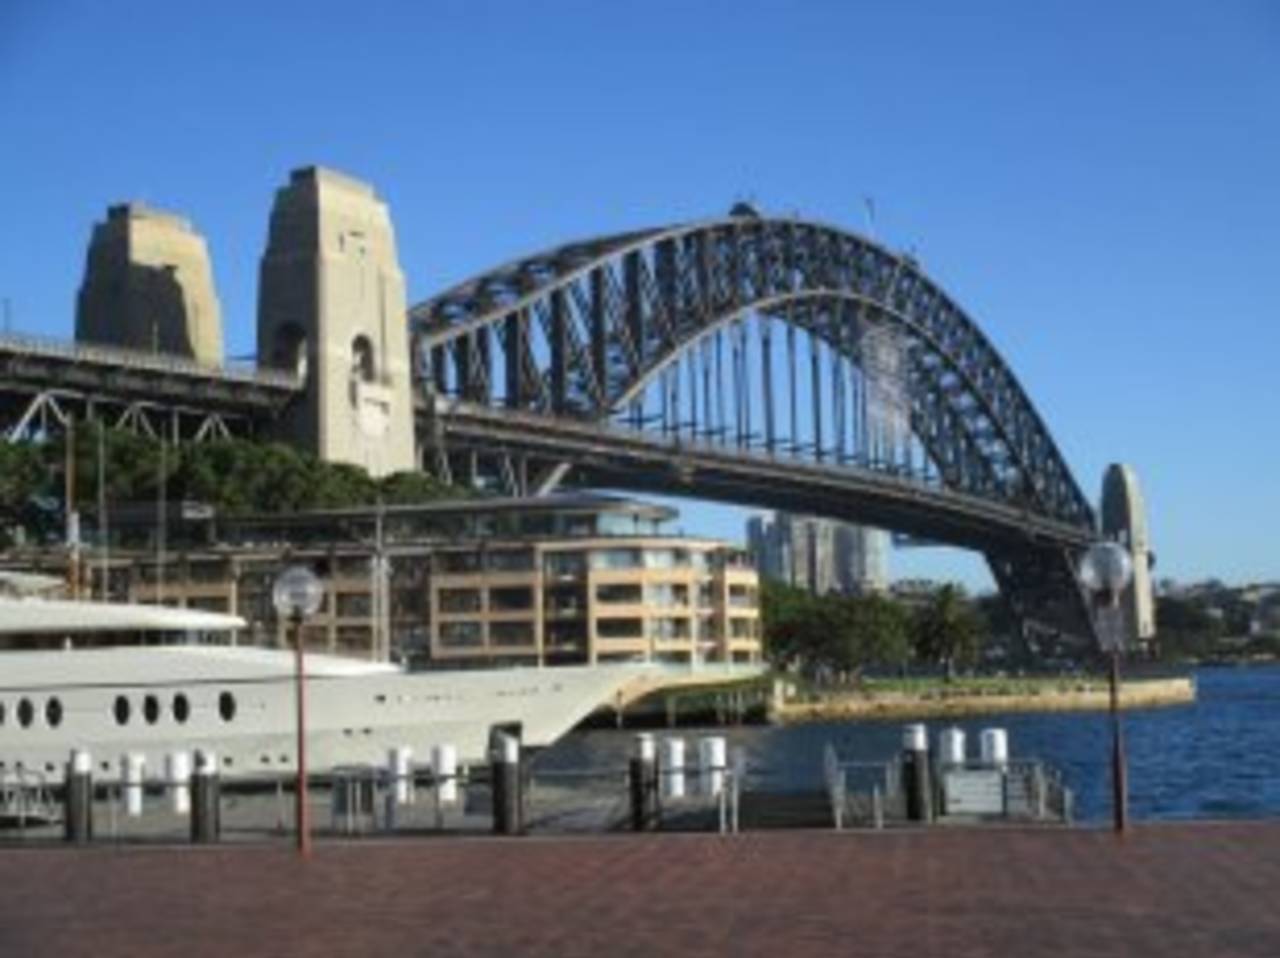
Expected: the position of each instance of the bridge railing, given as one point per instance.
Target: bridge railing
(51, 347)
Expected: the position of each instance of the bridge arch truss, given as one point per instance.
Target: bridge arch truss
(761, 340)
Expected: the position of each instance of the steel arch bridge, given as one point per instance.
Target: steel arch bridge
(765, 361)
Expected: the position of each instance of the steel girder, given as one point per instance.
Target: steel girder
(582, 330)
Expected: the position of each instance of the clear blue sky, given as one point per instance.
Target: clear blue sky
(1097, 183)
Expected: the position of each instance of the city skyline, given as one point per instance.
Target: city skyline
(1104, 220)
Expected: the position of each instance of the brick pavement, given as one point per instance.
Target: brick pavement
(1196, 889)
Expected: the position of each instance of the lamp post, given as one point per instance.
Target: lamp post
(1106, 571)
(297, 593)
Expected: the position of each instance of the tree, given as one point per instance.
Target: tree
(948, 630)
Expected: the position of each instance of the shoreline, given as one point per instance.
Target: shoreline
(937, 702)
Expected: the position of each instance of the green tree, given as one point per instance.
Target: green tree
(948, 630)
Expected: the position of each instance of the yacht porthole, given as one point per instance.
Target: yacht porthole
(122, 710)
(181, 708)
(48, 767)
(53, 712)
(26, 713)
(151, 709)
(227, 706)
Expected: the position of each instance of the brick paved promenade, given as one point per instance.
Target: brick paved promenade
(1169, 890)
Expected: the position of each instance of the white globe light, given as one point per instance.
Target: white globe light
(1106, 567)
(297, 592)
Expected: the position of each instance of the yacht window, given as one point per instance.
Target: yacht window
(181, 708)
(1, 713)
(227, 706)
(151, 709)
(53, 712)
(122, 710)
(26, 713)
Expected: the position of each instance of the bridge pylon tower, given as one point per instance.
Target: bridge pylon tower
(331, 308)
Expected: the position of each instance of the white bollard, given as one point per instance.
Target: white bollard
(673, 768)
(132, 765)
(444, 767)
(711, 764)
(995, 747)
(400, 765)
(915, 738)
(177, 769)
(646, 747)
(81, 762)
(951, 746)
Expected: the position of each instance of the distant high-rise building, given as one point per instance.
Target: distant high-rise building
(820, 555)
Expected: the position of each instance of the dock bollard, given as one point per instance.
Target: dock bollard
(642, 775)
(444, 769)
(206, 800)
(712, 752)
(673, 768)
(504, 771)
(400, 764)
(915, 773)
(177, 770)
(77, 816)
(132, 767)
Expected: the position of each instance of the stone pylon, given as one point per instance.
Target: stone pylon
(1124, 520)
(331, 307)
(148, 285)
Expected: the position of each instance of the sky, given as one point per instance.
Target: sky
(1097, 184)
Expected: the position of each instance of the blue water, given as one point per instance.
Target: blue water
(1217, 758)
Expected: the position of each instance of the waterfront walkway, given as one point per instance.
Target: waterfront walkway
(1202, 889)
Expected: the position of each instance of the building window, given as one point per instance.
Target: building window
(620, 628)
(619, 593)
(459, 600)
(456, 635)
(565, 600)
(512, 599)
(511, 633)
(706, 596)
(362, 366)
(742, 628)
(667, 594)
(616, 559)
(742, 597)
(457, 562)
(566, 633)
(565, 563)
(509, 560)
(668, 629)
(354, 605)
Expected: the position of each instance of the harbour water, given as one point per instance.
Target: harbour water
(1217, 758)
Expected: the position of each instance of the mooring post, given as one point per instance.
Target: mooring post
(78, 798)
(504, 769)
(642, 778)
(915, 773)
(206, 800)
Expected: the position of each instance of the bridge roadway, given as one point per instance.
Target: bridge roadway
(35, 369)
(632, 459)
(32, 364)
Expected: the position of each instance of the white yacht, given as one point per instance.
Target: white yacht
(238, 702)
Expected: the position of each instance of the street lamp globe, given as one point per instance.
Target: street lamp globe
(297, 593)
(1106, 568)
